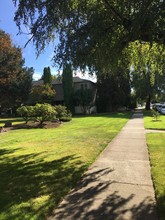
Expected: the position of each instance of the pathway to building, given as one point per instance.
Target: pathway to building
(118, 186)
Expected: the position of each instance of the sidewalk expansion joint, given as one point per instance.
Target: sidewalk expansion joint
(134, 184)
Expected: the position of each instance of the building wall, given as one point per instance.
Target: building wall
(84, 85)
(59, 92)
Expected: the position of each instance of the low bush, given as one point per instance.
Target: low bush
(155, 114)
(65, 119)
(26, 112)
(45, 112)
(42, 112)
(62, 113)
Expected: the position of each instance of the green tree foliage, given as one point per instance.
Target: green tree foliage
(155, 114)
(67, 82)
(27, 112)
(47, 77)
(44, 112)
(83, 97)
(92, 33)
(113, 91)
(42, 94)
(10, 59)
(21, 89)
(148, 70)
(15, 79)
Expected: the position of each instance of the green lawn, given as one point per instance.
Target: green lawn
(156, 144)
(150, 123)
(39, 166)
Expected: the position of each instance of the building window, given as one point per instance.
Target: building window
(84, 86)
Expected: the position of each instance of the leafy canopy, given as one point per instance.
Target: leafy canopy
(42, 94)
(148, 69)
(113, 91)
(91, 33)
(15, 79)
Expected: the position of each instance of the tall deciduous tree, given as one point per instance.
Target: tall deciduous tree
(67, 82)
(10, 60)
(148, 70)
(92, 33)
(15, 79)
(113, 91)
(20, 89)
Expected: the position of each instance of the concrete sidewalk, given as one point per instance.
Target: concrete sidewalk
(118, 185)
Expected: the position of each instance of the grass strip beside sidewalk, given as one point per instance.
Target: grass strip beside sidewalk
(150, 123)
(156, 147)
(156, 144)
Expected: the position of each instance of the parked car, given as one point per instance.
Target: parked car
(157, 106)
(162, 109)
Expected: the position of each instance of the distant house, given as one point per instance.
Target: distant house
(78, 84)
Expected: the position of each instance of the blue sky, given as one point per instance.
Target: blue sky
(7, 24)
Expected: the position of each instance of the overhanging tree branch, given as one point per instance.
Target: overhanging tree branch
(113, 10)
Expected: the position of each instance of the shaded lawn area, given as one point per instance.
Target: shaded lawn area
(156, 143)
(39, 166)
(13, 120)
(150, 123)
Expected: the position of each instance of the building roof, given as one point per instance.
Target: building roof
(38, 82)
(76, 79)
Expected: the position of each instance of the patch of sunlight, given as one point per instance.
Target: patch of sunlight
(39, 201)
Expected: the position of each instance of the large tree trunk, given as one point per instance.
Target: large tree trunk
(148, 102)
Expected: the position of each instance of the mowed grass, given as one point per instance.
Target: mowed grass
(39, 166)
(150, 123)
(156, 143)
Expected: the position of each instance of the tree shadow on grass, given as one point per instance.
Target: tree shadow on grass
(6, 151)
(161, 206)
(30, 187)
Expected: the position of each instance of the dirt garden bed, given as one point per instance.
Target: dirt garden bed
(31, 125)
